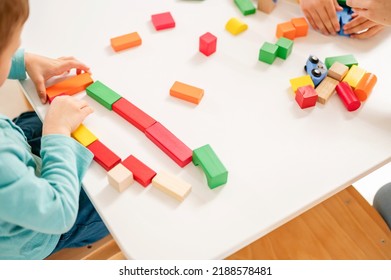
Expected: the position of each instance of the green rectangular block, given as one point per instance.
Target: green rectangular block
(268, 53)
(215, 172)
(245, 6)
(347, 60)
(103, 94)
(285, 47)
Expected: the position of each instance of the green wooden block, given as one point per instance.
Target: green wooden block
(245, 6)
(268, 53)
(103, 94)
(285, 47)
(342, 3)
(347, 60)
(216, 173)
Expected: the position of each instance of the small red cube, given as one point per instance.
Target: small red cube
(208, 44)
(306, 97)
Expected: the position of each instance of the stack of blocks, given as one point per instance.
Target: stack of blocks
(352, 84)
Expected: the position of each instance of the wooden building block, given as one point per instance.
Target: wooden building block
(346, 94)
(125, 41)
(306, 96)
(103, 155)
(84, 136)
(301, 26)
(163, 21)
(365, 86)
(120, 177)
(245, 6)
(215, 171)
(169, 143)
(287, 30)
(266, 6)
(338, 71)
(326, 89)
(268, 52)
(69, 86)
(285, 47)
(300, 82)
(347, 60)
(171, 185)
(354, 76)
(141, 173)
(235, 26)
(133, 114)
(208, 44)
(187, 92)
(103, 94)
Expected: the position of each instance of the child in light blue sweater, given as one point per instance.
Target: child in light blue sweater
(42, 206)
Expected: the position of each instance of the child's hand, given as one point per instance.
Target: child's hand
(65, 115)
(365, 27)
(40, 69)
(376, 10)
(322, 15)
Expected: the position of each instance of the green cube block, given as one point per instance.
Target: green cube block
(103, 94)
(342, 3)
(268, 53)
(216, 173)
(285, 47)
(347, 60)
(245, 6)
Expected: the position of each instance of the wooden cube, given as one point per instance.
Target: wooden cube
(301, 26)
(287, 30)
(338, 71)
(306, 96)
(120, 177)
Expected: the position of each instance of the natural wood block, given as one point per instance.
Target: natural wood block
(187, 92)
(84, 136)
(266, 6)
(235, 26)
(326, 89)
(338, 71)
(365, 86)
(69, 86)
(171, 185)
(126, 41)
(120, 177)
(354, 76)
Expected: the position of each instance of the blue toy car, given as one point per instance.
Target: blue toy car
(316, 69)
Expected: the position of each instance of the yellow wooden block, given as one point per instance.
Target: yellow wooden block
(120, 177)
(300, 82)
(171, 185)
(354, 76)
(235, 26)
(84, 136)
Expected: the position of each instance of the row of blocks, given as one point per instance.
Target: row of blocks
(352, 84)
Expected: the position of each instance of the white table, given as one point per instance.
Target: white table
(282, 160)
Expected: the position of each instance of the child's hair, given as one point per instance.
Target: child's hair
(13, 14)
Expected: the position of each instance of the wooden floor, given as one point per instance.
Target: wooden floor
(343, 227)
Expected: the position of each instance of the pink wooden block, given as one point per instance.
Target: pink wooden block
(208, 44)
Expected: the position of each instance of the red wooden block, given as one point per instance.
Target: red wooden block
(103, 155)
(306, 97)
(141, 173)
(163, 21)
(349, 99)
(208, 44)
(133, 114)
(169, 144)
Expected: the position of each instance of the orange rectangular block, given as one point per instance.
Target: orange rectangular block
(125, 41)
(69, 86)
(301, 26)
(187, 92)
(287, 30)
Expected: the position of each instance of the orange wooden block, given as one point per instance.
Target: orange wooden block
(287, 30)
(365, 86)
(69, 86)
(187, 92)
(125, 41)
(301, 26)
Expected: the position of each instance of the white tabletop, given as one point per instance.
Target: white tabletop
(281, 159)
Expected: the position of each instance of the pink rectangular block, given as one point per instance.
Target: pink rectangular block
(163, 21)
(169, 144)
(208, 44)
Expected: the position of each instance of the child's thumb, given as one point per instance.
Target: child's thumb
(41, 89)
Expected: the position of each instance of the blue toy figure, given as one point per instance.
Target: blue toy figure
(316, 69)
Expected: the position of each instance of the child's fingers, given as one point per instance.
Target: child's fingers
(362, 4)
(323, 21)
(361, 26)
(41, 89)
(369, 33)
(333, 19)
(311, 21)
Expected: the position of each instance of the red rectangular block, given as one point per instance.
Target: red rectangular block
(133, 114)
(141, 173)
(169, 144)
(163, 21)
(69, 86)
(103, 155)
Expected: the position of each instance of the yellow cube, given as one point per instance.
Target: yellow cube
(84, 136)
(354, 75)
(235, 26)
(301, 82)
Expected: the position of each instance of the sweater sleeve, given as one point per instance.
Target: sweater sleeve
(18, 69)
(47, 203)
